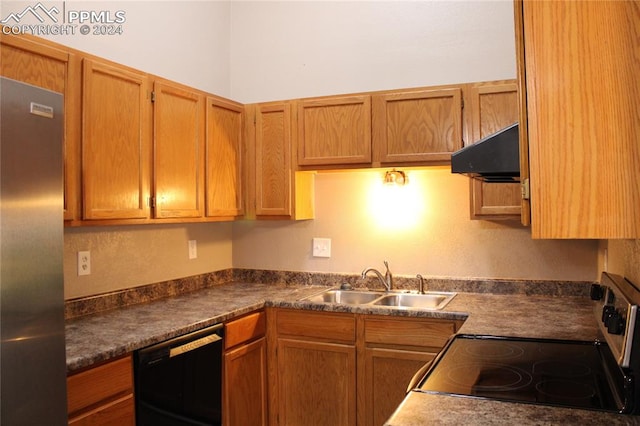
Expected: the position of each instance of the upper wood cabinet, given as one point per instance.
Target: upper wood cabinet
(493, 106)
(178, 150)
(115, 142)
(334, 130)
(280, 191)
(225, 121)
(417, 126)
(580, 68)
(24, 59)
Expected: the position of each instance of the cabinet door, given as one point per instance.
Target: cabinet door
(273, 160)
(178, 125)
(387, 375)
(417, 126)
(334, 130)
(223, 158)
(494, 106)
(59, 71)
(115, 142)
(245, 384)
(316, 383)
(581, 70)
(390, 351)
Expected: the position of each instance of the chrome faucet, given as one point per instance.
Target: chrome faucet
(386, 280)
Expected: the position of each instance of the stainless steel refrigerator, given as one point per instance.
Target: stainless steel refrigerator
(32, 355)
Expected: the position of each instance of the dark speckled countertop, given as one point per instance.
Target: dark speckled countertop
(95, 338)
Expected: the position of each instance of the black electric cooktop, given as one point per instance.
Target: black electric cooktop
(537, 371)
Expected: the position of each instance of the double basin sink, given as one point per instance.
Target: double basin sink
(427, 301)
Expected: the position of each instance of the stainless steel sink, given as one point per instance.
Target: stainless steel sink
(349, 297)
(431, 301)
(426, 301)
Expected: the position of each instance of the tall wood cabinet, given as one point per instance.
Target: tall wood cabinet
(492, 107)
(25, 59)
(178, 151)
(115, 142)
(578, 62)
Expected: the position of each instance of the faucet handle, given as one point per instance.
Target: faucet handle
(387, 275)
(421, 283)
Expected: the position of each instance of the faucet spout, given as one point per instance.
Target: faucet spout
(386, 280)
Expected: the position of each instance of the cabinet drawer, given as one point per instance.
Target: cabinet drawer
(119, 412)
(99, 384)
(412, 332)
(244, 329)
(320, 325)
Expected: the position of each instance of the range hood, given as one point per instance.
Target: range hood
(495, 158)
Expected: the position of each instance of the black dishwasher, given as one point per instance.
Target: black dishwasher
(179, 382)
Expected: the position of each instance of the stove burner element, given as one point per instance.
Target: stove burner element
(484, 377)
(565, 390)
(494, 350)
(561, 369)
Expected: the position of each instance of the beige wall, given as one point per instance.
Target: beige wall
(263, 50)
(292, 49)
(623, 258)
(124, 257)
(433, 235)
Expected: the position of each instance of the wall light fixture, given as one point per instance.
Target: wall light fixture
(396, 177)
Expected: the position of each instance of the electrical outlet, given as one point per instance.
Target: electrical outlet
(84, 262)
(322, 247)
(193, 249)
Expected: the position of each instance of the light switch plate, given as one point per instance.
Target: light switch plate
(193, 249)
(322, 247)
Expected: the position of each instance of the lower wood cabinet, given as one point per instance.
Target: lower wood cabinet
(390, 351)
(245, 371)
(312, 367)
(345, 369)
(102, 395)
